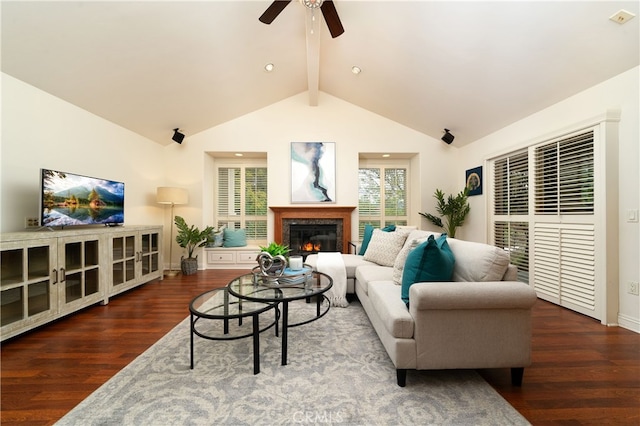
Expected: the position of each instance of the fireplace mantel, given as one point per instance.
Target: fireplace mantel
(314, 212)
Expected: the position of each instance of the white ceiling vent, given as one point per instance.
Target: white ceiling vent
(621, 16)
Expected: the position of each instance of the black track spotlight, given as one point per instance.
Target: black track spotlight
(179, 137)
(447, 137)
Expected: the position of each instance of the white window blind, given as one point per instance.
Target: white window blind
(514, 238)
(544, 204)
(382, 195)
(511, 185)
(242, 200)
(564, 176)
(565, 264)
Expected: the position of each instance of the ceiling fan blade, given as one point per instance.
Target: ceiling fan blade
(273, 11)
(331, 18)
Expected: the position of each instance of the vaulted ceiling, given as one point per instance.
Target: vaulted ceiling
(473, 67)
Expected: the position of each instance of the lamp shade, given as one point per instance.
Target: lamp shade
(170, 195)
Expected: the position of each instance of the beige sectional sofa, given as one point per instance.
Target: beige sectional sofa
(481, 319)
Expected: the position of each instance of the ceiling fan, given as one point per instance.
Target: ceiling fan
(328, 11)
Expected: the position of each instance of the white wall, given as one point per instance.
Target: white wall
(620, 92)
(272, 129)
(42, 131)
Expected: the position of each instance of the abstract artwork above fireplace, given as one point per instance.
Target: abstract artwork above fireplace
(313, 172)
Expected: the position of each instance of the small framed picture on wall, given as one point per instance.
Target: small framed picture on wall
(474, 180)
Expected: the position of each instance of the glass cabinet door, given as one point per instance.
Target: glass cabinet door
(150, 253)
(80, 270)
(124, 259)
(27, 277)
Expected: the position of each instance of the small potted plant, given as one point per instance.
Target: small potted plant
(275, 249)
(273, 259)
(190, 238)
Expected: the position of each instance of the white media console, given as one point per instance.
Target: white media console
(49, 274)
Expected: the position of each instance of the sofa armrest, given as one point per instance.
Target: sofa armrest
(471, 295)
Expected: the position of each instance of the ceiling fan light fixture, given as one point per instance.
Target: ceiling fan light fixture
(312, 4)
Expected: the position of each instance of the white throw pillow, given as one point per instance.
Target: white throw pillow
(414, 239)
(477, 261)
(384, 247)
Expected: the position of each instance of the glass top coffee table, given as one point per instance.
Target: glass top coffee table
(255, 288)
(218, 304)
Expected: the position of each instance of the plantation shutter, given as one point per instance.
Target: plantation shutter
(564, 176)
(511, 204)
(395, 193)
(382, 195)
(514, 238)
(551, 240)
(565, 265)
(511, 193)
(241, 200)
(255, 189)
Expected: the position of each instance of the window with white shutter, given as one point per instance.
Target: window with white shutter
(544, 203)
(241, 198)
(564, 176)
(511, 209)
(382, 194)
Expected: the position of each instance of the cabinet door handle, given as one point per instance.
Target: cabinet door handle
(64, 275)
(55, 276)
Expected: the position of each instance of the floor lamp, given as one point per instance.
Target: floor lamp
(173, 196)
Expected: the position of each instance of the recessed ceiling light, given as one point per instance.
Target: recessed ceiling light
(386, 155)
(268, 67)
(238, 154)
(621, 16)
(356, 70)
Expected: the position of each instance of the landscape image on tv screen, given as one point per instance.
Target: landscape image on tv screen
(68, 199)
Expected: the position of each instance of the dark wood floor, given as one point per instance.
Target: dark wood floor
(582, 372)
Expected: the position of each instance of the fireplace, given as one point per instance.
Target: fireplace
(308, 236)
(331, 227)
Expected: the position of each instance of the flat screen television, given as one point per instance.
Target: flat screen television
(67, 199)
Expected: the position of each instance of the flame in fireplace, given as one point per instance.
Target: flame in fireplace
(309, 246)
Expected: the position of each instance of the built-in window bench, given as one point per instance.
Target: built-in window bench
(231, 257)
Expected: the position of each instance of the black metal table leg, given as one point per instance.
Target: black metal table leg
(256, 344)
(285, 325)
(192, 327)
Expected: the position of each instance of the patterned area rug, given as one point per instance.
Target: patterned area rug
(338, 373)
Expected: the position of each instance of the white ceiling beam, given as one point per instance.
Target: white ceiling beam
(313, 18)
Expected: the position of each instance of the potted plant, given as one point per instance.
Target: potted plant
(454, 210)
(275, 249)
(190, 237)
(273, 259)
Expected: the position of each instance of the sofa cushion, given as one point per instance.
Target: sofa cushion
(432, 260)
(385, 300)
(384, 247)
(478, 262)
(366, 238)
(413, 240)
(372, 272)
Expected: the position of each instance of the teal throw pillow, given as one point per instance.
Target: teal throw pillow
(234, 238)
(368, 232)
(430, 261)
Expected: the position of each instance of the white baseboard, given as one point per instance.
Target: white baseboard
(629, 323)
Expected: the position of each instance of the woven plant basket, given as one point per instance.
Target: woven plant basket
(189, 265)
